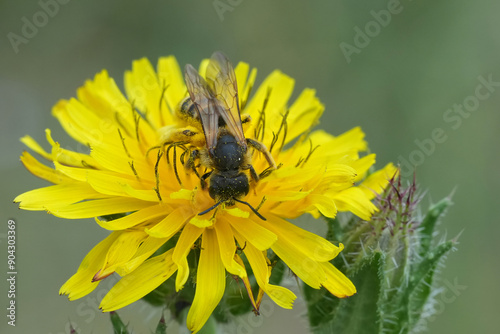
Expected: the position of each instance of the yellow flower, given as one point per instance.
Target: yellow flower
(129, 171)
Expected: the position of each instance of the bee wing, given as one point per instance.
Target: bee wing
(221, 78)
(206, 103)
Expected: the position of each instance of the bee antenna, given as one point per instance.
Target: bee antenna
(251, 207)
(210, 208)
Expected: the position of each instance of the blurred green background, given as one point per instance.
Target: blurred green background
(397, 83)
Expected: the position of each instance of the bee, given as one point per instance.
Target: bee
(213, 107)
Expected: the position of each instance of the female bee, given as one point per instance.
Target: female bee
(225, 153)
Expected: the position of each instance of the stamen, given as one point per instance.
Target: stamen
(123, 143)
(136, 124)
(284, 127)
(244, 101)
(157, 175)
(261, 123)
(118, 120)
(311, 151)
(264, 199)
(150, 149)
(275, 138)
(162, 98)
(131, 164)
(86, 164)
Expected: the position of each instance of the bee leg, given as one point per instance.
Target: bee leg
(253, 173)
(266, 172)
(203, 178)
(262, 148)
(190, 164)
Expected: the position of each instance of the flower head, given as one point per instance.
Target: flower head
(138, 186)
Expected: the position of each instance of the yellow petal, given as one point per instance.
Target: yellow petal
(280, 295)
(42, 171)
(81, 284)
(112, 158)
(79, 121)
(245, 82)
(324, 204)
(188, 236)
(280, 87)
(121, 251)
(376, 182)
(98, 207)
(111, 183)
(353, 138)
(35, 147)
(145, 195)
(210, 283)
(304, 114)
(241, 72)
(134, 218)
(56, 196)
(171, 224)
(258, 235)
(363, 165)
(311, 245)
(336, 282)
(140, 282)
(355, 200)
(300, 262)
(170, 76)
(145, 250)
(227, 248)
(143, 87)
(103, 97)
(67, 157)
(73, 173)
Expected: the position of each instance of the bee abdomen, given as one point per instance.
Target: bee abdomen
(225, 187)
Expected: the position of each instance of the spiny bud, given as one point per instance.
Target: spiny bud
(392, 261)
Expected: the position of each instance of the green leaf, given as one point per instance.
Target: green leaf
(430, 261)
(426, 228)
(421, 284)
(358, 314)
(118, 326)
